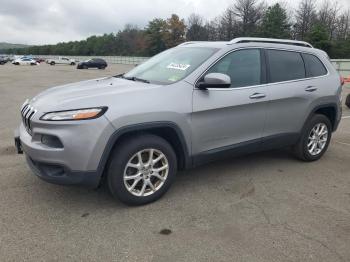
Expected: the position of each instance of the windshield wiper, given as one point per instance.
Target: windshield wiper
(132, 78)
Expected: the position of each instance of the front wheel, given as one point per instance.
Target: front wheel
(315, 139)
(141, 169)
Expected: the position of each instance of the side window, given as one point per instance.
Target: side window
(243, 66)
(285, 65)
(314, 67)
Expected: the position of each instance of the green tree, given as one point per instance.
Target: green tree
(155, 36)
(275, 23)
(319, 37)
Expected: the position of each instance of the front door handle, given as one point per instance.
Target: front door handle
(310, 88)
(257, 96)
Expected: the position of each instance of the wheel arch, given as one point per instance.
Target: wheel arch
(167, 130)
(329, 110)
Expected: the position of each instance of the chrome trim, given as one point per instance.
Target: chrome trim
(261, 85)
(269, 40)
(27, 114)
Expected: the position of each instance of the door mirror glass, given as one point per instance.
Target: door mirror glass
(215, 80)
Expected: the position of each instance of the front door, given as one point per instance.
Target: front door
(225, 118)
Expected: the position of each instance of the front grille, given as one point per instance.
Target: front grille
(27, 113)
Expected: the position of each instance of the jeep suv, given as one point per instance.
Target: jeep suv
(186, 106)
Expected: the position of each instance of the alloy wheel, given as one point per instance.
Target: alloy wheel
(145, 172)
(317, 139)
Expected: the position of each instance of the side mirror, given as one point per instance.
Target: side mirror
(215, 80)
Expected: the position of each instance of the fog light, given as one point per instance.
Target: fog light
(51, 141)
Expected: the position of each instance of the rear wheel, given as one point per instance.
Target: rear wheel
(141, 169)
(72, 63)
(52, 63)
(315, 139)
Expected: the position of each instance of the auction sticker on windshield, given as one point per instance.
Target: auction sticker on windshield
(182, 67)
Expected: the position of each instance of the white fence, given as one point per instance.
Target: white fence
(342, 65)
(126, 60)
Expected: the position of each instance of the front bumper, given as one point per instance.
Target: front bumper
(62, 175)
(77, 161)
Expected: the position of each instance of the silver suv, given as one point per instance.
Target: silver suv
(186, 106)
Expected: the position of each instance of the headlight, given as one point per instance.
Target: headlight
(77, 114)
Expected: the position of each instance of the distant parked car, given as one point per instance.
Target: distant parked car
(62, 61)
(25, 61)
(347, 101)
(3, 60)
(39, 59)
(93, 63)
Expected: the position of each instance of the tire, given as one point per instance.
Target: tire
(347, 101)
(127, 153)
(301, 149)
(52, 63)
(72, 64)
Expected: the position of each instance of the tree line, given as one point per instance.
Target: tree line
(326, 26)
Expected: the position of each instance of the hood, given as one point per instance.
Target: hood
(91, 93)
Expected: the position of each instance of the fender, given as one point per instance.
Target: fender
(333, 105)
(143, 127)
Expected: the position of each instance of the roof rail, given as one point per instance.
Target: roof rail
(190, 42)
(269, 40)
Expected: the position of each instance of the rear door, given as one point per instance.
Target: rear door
(227, 117)
(291, 94)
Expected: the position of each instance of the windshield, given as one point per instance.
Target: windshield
(172, 65)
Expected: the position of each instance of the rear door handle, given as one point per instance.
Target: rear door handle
(257, 96)
(310, 88)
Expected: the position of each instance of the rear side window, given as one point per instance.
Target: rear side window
(285, 65)
(243, 67)
(314, 67)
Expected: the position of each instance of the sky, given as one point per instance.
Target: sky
(53, 21)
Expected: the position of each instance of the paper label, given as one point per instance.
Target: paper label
(175, 66)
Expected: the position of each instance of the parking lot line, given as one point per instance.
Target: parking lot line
(344, 117)
(342, 143)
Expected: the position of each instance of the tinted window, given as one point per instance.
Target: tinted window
(314, 66)
(242, 66)
(285, 65)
